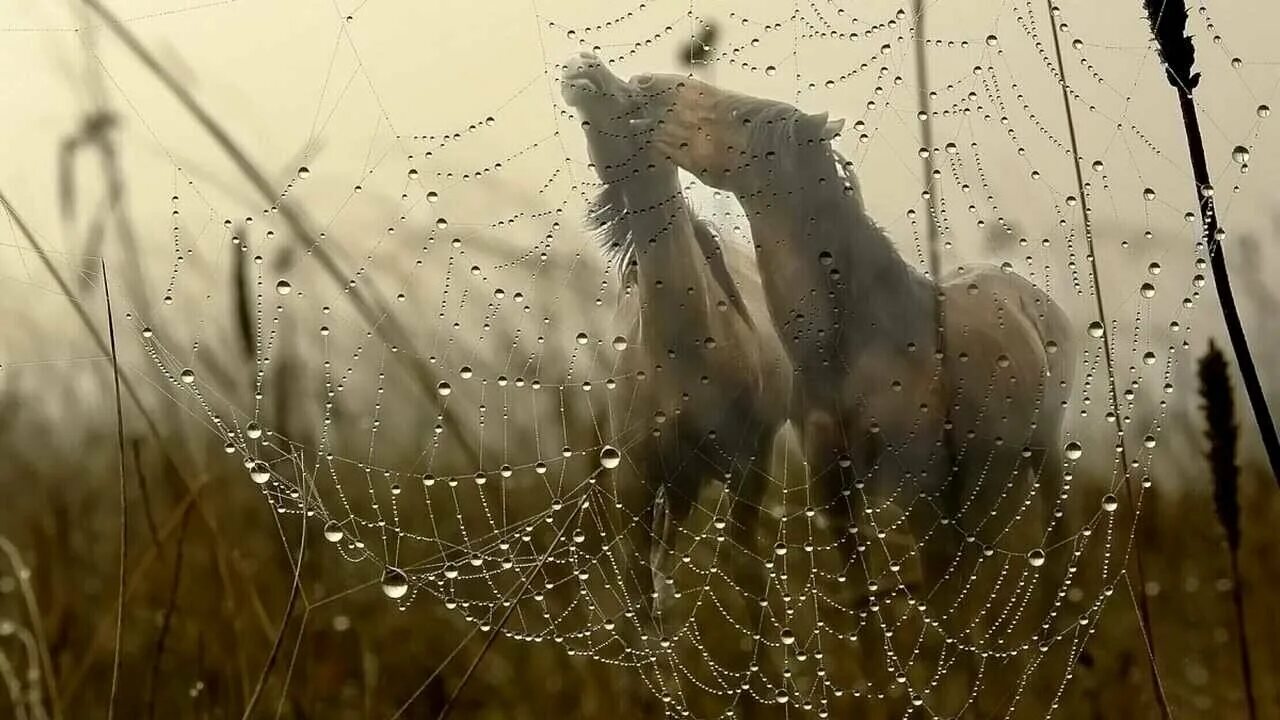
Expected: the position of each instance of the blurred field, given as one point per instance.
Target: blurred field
(208, 580)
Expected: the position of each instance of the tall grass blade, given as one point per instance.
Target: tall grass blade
(124, 497)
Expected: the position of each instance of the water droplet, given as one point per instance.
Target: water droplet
(1264, 111)
(260, 472)
(395, 584)
(1035, 558)
(304, 172)
(1148, 194)
(332, 531)
(1240, 154)
(187, 375)
(1073, 450)
(610, 458)
(413, 173)
(787, 636)
(992, 40)
(780, 548)
(1095, 329)
(1110, 502)
(1148, 290)
(619, 343)
(283, 287)
(253, 430)
(443, 388)
(582, 338)
(771, 71)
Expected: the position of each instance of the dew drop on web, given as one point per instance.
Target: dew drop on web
(395, 584)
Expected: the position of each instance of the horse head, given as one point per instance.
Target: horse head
(729, 140)
(612, 111)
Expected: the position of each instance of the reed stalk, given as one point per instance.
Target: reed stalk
(1168, 22)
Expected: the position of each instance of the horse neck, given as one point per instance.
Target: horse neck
(795, 216)
(673, 289)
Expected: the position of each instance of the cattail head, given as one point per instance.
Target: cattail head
(1219, 413)
(1168, 21)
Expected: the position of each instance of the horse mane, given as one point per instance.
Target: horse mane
(791, 151)
(606, 216)
(612, 218)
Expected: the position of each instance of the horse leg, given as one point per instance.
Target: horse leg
(671, 506)
(824, 454)
(746, 566)
(744, 516)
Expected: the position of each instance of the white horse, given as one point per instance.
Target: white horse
(718, 380)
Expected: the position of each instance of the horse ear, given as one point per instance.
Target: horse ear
(819, 127)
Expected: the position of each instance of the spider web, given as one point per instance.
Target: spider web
(449, 382)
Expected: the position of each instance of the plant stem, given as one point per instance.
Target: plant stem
(1144, 604)
(1222, 283)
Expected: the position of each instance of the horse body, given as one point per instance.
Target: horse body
(718, 382)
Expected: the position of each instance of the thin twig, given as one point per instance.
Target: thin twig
(124, 497)
(1144, 605)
